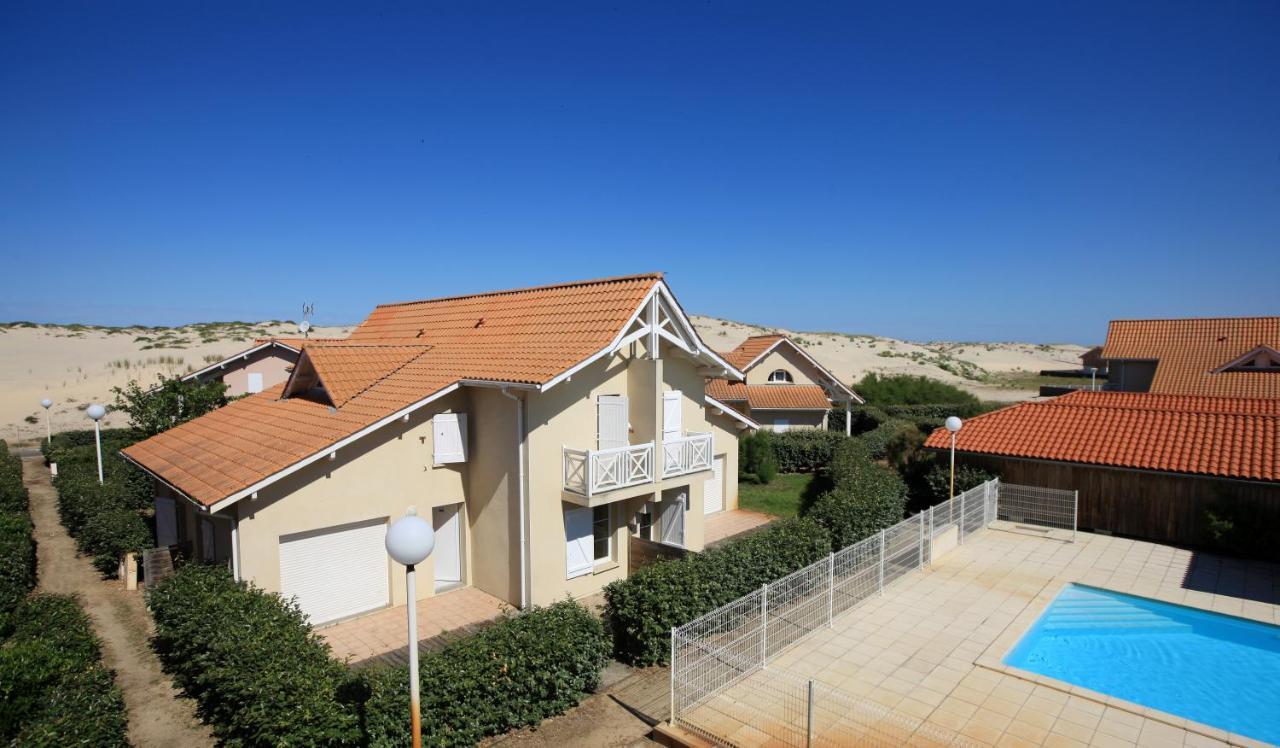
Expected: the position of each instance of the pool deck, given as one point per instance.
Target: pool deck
(930, 646)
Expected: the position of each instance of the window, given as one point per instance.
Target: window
(644, 522)
(254, 382)
(601, 533)
(780, 376)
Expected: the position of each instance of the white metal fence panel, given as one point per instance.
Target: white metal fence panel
(1034, 505)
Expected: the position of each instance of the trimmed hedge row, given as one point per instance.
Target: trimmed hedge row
(54, 689)
(866, 498)
(106, 520)
(13, 494)
(261, 676)
(892, 440)
(643, 608)
(17, 546)
(805, 450)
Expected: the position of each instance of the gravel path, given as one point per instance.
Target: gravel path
(158, 716)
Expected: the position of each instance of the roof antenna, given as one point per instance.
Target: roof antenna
(304, 326)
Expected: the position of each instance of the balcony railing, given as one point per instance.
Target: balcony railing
(593, 471)
(686, 454)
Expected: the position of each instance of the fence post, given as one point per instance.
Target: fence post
(1075, 513)
(930, 536)
(808, 738)
(831, 589)
(673, 675)
(960, 527)
(920, 549)
(764, 626)
(882, 562)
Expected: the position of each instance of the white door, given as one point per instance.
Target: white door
(611, 421)
(673, 506)
(448, 552)
(713, 487)
(338, 571)
(671, 427)
(166, 522)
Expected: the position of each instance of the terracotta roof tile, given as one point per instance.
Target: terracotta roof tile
(400, 355)
(1222, 436)
(726, 391)
(747, 351)
(1190, 350)
(770, 396)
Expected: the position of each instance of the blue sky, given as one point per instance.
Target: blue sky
(953, 170)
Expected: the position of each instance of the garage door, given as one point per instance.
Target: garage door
(336, 572)
(713, 488)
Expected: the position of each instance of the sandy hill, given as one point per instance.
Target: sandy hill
(75, 365)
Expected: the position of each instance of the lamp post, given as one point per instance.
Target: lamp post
(410, 540)
(1093, 376)
(96, 412)
(953, 425)
(48, 432)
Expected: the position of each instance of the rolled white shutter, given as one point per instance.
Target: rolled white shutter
(611, 421)
(671, 426)
(449, 434)
(577, 542)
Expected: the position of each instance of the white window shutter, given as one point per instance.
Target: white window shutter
(671, 426)
(254, 382)
(578, 547)
(449, 434)
(611, 421)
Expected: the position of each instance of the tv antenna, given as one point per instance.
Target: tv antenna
(304, 326)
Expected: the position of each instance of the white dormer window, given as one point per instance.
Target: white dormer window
(780, 376)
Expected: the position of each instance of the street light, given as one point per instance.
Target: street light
(46, 404)
(953, 425)
(96, 412)
(410, 540)
(1093, 374)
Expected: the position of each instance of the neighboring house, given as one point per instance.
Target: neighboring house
(1092, 359)
(785, 388)
(267, 363)
(1227, 356)
(545, 432)
(1145, 465)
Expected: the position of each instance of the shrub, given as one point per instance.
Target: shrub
(17, 560)
(643, 608)
(54, 689)
(967, 476)
(257, 672)
(13, 494)
(804, 450)
(893, 441)
(928, 417)
(168, 404)
(517, 672)
(863, 417)
(756, 460)
(909, 389)
(1243, 530)
(866, 497)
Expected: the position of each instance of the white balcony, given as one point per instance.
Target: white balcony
(594, 471)
(686, 454)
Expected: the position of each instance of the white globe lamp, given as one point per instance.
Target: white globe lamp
(410, 540)
(48, 432)
(96, 412)
(953, 425)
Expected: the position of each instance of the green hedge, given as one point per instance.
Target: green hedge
(257, 672)
(261, 676)
(513, 674)
(757, 462)
(866, 497)
(643, 608)
(54, 689)
(17, 546)
(13, 494)
(804, 450)
(893, 440)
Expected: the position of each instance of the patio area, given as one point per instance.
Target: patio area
(724, 525)
(928, 650)
(380, 636)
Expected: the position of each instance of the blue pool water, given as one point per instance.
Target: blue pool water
(1211, 668)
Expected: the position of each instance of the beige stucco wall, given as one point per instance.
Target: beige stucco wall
(377, 477)
(725, 431)
(797, 419)
(272, 362)
(783, 357)
(493, 494)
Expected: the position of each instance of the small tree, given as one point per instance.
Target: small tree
(170, 403)
(756, 459)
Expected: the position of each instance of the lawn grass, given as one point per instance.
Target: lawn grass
(783, 497)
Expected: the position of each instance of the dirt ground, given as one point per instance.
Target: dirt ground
(158, 716)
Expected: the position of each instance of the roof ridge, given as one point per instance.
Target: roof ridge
(1196, 319)
(657, 276)
(1062, 401)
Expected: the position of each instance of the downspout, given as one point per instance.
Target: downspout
(524, 551)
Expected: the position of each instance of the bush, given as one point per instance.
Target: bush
(17, 546)
(931, 416)
(13, 494)
(169, 403)
(257, 672)
(517, 672)
(804, 450)
(54, 689)
(909, 389)
(867, 497)
(756, 460)
(1243, 530)
(893, 441)
(643, 608)
(967, 476)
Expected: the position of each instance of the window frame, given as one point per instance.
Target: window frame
(608, 535)
(788, 378)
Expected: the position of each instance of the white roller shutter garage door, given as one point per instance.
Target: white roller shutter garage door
(713, 488)
(336, 572)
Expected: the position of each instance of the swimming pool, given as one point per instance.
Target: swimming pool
(1215, 669)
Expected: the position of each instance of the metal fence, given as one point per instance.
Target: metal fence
(713, 653)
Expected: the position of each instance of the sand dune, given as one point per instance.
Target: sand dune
(75, 365)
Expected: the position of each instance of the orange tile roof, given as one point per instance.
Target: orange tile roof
(726, 391)
(747, 351)
(526, 336)
(298, 343)
(1220, 436)
(1190, 350)
(770, 396)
